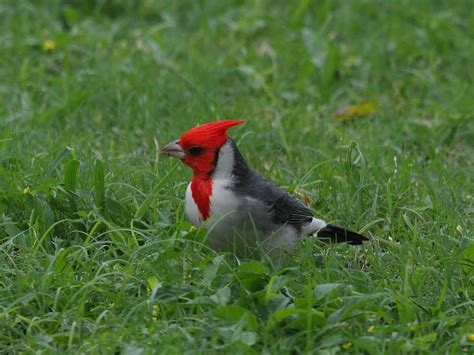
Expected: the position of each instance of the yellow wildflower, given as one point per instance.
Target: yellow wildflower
(470, 337)
(26, 190)
(49, 45)
(347, 346)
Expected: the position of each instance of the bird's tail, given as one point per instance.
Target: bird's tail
(337, 234)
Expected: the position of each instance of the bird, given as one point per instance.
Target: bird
(243, 212)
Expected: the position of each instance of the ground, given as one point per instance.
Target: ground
(364, 109)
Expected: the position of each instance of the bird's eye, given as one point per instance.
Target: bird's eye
(194, 151)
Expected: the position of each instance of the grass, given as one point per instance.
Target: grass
(96, 254)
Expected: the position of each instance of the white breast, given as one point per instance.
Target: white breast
(223, 200)
(191, 209)
(223, 203)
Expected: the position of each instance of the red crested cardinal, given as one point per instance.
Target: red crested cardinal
(241, 210)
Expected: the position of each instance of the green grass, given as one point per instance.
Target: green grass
(96, 254)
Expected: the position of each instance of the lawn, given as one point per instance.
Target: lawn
(364, 109)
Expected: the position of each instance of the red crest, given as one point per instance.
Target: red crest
(209, 135)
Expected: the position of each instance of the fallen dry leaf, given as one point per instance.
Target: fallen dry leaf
(305, 196)
(359, 110)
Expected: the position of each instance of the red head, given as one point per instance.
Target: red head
(198, 147)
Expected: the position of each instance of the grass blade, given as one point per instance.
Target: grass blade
(99, 186)
(61, 156)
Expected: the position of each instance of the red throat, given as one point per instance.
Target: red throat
(201, 189)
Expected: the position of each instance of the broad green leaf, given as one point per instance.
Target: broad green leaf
(252, 274)
(234, 313)
(323, 289)
(222, 296)
(280, 315)
(276, 283)
(248, 338)
(45, 212)
(70, 174)
(11, 229)
(210, 270)
(253, 267)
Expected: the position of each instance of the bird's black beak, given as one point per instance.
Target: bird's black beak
(173, 149)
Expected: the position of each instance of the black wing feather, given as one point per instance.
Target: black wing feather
(287, 209)
(338, 234)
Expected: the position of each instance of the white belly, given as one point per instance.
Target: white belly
(223, 203)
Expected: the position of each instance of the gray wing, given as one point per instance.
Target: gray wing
(282, 207)
(287, 209)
